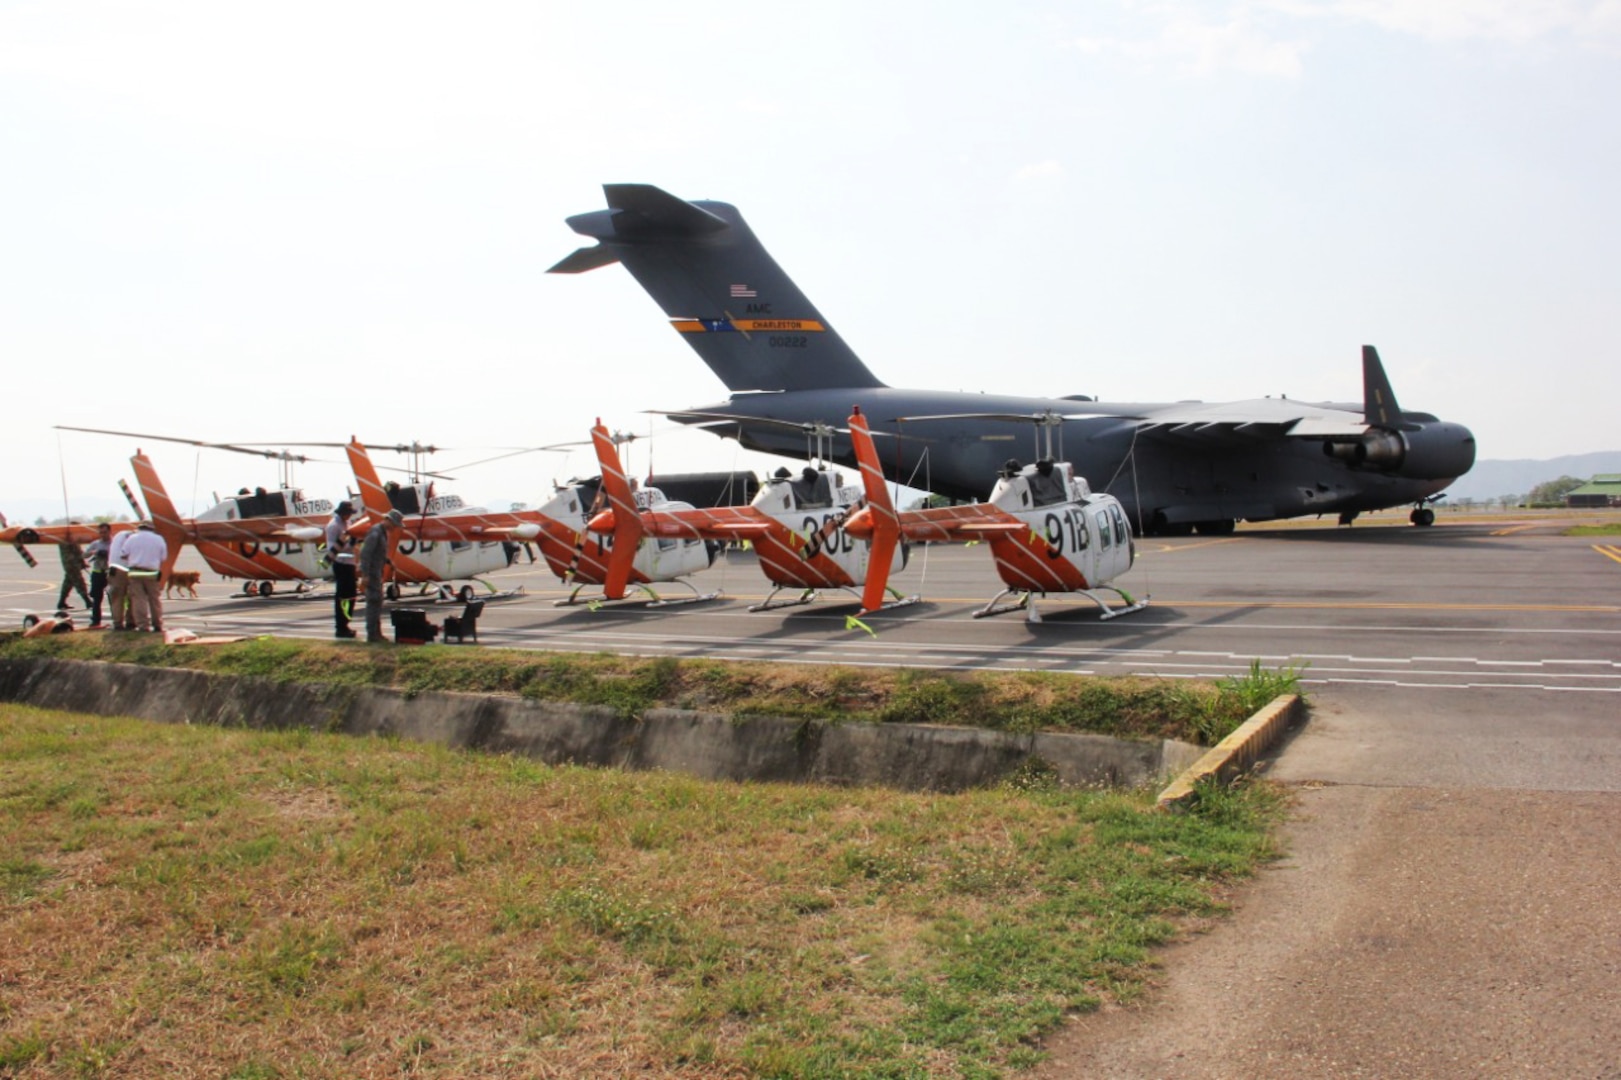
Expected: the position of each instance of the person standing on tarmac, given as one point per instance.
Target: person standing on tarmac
(145, 552)
(97, 553)
(340, 552)
(373, 557)
(72, 556)
(118, 583)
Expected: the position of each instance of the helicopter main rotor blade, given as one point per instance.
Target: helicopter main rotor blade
(560, 448)
(278, 455)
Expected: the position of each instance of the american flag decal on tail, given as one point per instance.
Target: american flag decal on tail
(743, 292)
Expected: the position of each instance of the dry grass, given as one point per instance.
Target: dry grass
(194, 902)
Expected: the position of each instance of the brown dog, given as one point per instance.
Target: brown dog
(181, 579)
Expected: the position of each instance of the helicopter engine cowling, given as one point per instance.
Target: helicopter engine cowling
(1435, 451)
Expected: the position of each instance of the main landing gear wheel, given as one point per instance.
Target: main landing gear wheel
(266, 588)
(391, 591)
(1422, 516)
(467, 593)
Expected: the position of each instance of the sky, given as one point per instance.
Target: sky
(297, 222)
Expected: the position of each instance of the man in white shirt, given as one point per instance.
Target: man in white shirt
(145, 552)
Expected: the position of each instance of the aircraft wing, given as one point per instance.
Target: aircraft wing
(1268, 417)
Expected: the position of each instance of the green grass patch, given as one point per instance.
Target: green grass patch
(300, 904)
(1004, 701)
(1610, 528)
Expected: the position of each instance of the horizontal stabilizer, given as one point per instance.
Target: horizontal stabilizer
(586, 258)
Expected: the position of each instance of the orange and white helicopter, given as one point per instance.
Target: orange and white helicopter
(1048, 531)
(795, 525)
(444, 540)
(261, 537)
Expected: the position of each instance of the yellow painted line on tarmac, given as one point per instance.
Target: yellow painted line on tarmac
(1511, 530)
(1609, 551)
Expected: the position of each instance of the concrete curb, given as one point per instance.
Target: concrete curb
(913, 757)
(1238, 751)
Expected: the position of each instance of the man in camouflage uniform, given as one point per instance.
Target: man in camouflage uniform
(72, 575)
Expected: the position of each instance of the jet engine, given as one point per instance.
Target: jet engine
(1433, 451)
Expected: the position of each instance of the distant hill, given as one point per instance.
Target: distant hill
(1489, 479)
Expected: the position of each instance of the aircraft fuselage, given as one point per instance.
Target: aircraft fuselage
(1158, 483)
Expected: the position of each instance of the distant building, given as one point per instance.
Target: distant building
(1603, 490)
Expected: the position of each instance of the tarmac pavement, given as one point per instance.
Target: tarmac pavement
(1469, 926)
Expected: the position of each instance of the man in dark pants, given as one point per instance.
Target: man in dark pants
(97, 553)
(340, 552)
(373, 557)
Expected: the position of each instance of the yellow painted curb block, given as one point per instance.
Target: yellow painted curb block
(1238, 751)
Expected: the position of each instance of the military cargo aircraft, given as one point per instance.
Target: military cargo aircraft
(1174, 467)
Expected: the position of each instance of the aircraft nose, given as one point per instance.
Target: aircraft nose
(1465, 442)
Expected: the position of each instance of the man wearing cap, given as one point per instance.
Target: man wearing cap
(144, 554)
(373, 557)
(340, 552)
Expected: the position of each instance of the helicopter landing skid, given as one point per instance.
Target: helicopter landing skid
(771, 603)
(466, 595)
(652, 599)
(899, 601)
(1027, 603)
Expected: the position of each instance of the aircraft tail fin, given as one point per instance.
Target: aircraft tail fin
(627, 530)
(166, 521)
(886, 526)
(703, 266)
(372, 494)
(1379, 407)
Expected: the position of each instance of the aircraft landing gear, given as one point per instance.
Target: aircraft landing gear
(1422, 516)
